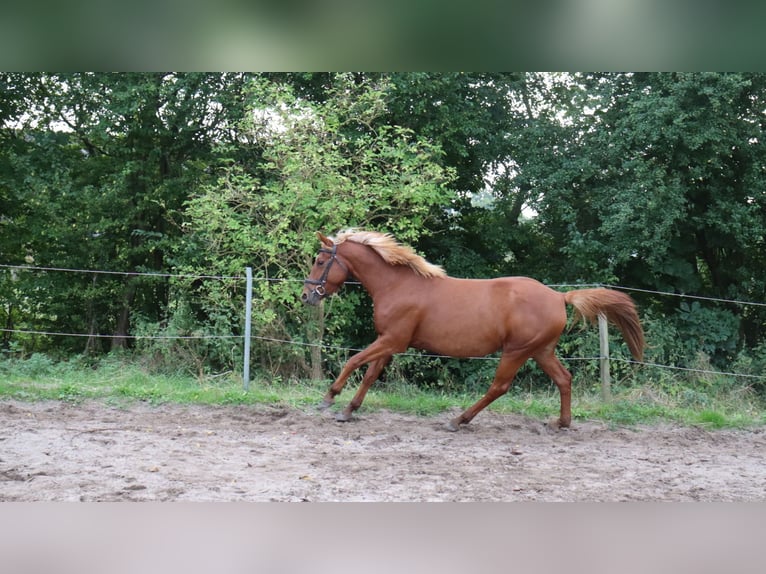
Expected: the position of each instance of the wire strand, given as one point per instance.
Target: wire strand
(294, 280)
(683, 295)
(686, 369)
(156, 275)
(119, 273)
(102, 336)
(356, 350)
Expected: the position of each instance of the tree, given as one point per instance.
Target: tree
(325, 166)
(660, 185)
(101, 168)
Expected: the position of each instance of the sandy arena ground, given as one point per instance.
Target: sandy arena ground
(55, 451)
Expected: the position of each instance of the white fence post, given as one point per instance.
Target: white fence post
(248, 317)
(603, 338)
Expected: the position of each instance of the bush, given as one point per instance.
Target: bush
(184, 345)
(752, 362)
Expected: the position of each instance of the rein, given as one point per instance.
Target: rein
(322, 281)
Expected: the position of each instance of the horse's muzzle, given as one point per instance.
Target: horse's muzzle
(311, 297)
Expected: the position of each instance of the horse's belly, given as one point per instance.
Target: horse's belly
(466, 336)
(456, 348)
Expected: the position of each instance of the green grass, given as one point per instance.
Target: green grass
(119, 382)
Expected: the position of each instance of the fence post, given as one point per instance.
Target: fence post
(603, 339)
(248, 317)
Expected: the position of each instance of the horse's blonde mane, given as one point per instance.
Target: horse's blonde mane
(392, 252)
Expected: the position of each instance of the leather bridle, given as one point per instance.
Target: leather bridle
(320, 283)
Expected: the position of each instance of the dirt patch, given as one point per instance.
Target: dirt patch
(94, 452)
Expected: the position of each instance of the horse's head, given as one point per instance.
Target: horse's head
(327, 275)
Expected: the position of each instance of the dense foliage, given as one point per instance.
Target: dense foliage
(654, 181)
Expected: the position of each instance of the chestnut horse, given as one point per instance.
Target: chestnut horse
(417, 305)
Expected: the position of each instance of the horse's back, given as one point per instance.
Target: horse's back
(467, 317)
(515, 295)
(528, 307)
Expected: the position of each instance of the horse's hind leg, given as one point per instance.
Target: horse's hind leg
(563, 378)
(506, 370)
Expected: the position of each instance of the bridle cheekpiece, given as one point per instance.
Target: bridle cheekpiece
(320, 283)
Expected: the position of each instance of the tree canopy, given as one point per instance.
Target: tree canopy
(654, 181)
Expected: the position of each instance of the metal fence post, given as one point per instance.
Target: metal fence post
(603, 338)
(248, 317)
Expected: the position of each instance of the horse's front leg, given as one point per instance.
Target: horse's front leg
(372, 374)
(379, 349)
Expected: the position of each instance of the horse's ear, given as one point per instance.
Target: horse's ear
(326, 240)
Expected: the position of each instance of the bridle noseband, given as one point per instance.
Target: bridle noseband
(322, 281)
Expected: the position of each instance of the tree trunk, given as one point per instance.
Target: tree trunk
(316, 339)
(92, 344)
(121, 332)
(93, 341)
(9, 327)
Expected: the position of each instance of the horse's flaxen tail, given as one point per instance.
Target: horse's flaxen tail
(617, 307)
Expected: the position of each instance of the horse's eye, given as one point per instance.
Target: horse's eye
(320, 263)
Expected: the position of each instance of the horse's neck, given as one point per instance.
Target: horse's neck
(373, 272)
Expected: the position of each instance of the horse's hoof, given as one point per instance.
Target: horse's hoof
(558, 425)
(324, 405)
(343, 417)
(452, 426)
